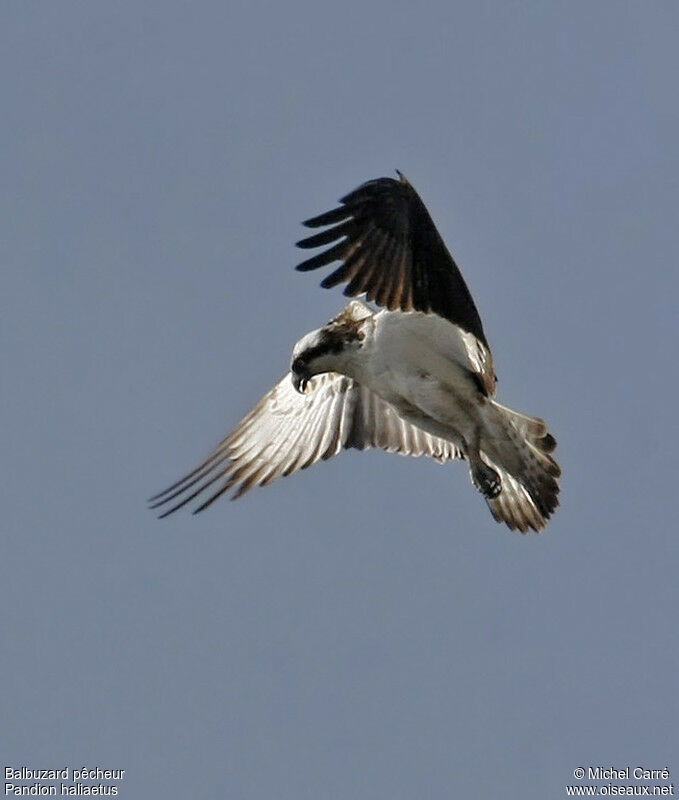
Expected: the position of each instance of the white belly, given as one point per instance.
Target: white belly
(424, 374)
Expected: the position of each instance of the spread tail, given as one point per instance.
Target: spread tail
(520, 453)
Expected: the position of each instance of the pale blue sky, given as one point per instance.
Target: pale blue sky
(363, 629)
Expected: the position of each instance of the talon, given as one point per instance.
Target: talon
(486, 480)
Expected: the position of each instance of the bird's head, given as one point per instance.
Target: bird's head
(328, 349)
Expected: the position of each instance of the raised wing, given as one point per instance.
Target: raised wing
(390, 249)
(288, 431)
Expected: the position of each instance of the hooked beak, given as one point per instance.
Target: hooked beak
(300, 377)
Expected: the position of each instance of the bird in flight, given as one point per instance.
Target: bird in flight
(415, 377)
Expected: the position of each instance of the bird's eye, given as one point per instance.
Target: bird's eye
(298, 365)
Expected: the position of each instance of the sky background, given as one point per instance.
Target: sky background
(364, 629)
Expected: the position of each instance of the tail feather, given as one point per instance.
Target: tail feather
(528, 473)
(532, 427)
(514, 506)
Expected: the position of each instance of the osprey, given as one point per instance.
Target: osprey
(414, 378)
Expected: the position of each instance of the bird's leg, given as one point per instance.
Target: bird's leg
(484, 478)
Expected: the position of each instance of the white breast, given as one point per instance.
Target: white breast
(416, 360)
(414, 335)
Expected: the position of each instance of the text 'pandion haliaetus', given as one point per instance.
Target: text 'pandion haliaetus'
(414, 378)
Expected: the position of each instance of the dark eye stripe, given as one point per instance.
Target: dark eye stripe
(320, 350)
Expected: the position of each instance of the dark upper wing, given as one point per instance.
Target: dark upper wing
(391, 250)
(287, 431)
